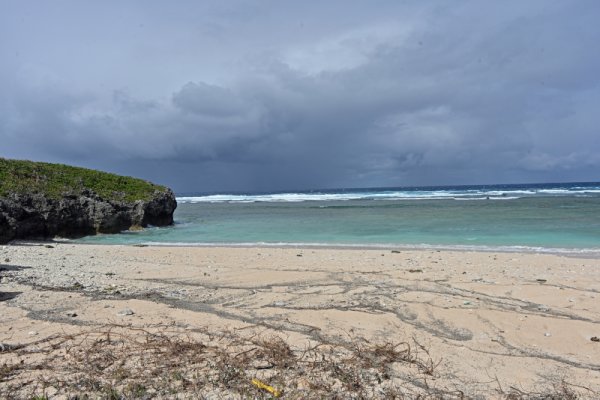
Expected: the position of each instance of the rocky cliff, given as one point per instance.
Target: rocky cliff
(40, 200)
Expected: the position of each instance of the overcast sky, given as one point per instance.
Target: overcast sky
(272, 95)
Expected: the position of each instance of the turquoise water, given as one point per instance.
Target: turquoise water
(508, 216)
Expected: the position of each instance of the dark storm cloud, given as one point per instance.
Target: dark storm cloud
(209, 100)
(297, 96)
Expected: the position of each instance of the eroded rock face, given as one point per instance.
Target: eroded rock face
(33, 216)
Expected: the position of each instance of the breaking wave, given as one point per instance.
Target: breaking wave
(466, 193)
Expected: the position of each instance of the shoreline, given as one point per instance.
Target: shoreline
(593, 253)
(484, 319)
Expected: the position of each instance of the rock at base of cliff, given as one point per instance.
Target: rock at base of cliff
(34, 216)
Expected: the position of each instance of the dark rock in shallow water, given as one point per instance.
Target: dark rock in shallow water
(159, 210)
(34, 216)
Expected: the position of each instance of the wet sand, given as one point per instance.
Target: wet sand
(491, 320)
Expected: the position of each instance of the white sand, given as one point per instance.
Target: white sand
(491, 319)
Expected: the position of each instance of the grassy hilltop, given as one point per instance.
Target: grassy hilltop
(55, 180)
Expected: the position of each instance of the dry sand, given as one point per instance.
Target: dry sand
(493, 323)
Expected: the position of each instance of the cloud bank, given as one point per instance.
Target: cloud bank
(280, 96)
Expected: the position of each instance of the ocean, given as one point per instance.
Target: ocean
(559, 217)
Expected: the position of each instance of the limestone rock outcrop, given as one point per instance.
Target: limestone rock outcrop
(36, 216)
(41, 200)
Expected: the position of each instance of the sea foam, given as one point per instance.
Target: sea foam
(466, 193)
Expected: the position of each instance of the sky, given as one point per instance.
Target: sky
(222, 96)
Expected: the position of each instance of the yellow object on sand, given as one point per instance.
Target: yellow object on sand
(262, 385)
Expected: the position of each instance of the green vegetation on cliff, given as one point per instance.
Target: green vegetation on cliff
(56, 180)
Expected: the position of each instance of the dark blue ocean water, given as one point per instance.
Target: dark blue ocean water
(554, 217)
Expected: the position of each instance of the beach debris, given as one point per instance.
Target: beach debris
(466, 303)
(595, 339)
(264, 386)
(396, 251)
(298, 255)
(111, 289)
(49, 246)
(8, 347)
(7, 259)
(71, 314)
(126, 311)
(543, 308)
(32, 333)
(303, 384)
(279, 304)
(547, 334)
(541, 280)
(176, 294)
(414, 270)
(140, 245)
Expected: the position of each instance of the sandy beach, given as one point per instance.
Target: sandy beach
(477, 324)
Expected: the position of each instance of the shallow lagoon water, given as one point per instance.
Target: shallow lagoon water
(551, 216)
